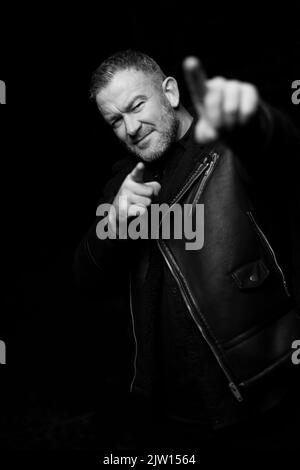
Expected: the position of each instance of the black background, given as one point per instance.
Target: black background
(56, 155)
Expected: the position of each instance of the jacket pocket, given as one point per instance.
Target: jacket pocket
(251, 275)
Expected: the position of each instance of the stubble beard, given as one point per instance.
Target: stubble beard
(168, 131)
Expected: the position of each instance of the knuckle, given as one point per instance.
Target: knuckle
(250, 100)
(231, 106)
(212, 99)
(141, 210)
(233, 84)
(250, 90)
(150, 191)
(217, 82)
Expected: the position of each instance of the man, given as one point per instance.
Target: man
(212, 327)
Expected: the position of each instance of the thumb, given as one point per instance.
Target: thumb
(205, 132)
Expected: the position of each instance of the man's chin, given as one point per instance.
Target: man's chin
(149, 157)
(153, 149)
(146, 155)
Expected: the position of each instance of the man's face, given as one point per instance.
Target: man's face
(140, 113)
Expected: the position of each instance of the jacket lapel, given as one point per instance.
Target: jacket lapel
(174, 181)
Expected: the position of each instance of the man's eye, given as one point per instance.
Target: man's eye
(138, 106)
(116, 123)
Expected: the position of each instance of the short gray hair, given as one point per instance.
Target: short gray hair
(123, 60)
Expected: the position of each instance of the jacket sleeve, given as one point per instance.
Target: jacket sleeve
(100, 262)
(268, 157)
(269, 145)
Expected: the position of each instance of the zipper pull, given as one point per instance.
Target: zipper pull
(235, 391)
(209, 167)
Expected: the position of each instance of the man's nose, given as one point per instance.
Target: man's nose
(132, 125)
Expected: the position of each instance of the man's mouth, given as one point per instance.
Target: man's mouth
(137, 142)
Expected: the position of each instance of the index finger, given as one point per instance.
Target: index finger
(138, 172)
(196, 81)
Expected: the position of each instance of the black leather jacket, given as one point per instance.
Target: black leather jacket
(240, 288)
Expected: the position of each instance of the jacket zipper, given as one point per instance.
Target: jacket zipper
(205, 178)
(271, 251)
(233, 387)
(197, 173)
(206, 166)
(202, 167)
(134, 335)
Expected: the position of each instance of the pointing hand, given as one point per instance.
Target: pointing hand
(134, 196)
(221, 104)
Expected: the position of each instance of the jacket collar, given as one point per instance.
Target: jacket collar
(177, 177)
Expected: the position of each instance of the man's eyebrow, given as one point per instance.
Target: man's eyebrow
(130, 104)
(127, 108)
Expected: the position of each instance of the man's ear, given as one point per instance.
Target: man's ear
(170, 89)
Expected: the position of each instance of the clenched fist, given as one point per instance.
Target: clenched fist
(221, 104)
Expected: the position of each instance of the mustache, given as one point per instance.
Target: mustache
(134, 140)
